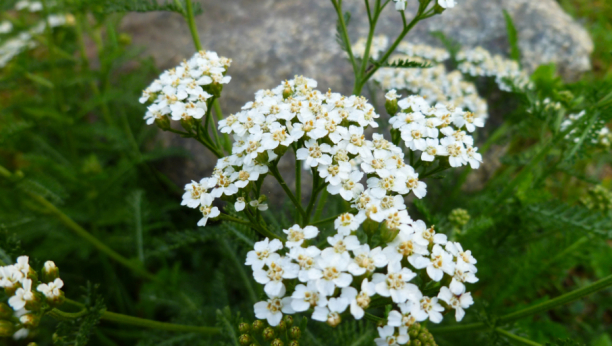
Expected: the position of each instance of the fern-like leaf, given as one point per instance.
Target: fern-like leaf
(573, 218)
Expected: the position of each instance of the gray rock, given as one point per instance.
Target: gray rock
(272, 40)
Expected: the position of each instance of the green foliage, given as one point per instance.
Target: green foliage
(402, 63)
(515, 53)
(111, 6)
(77, 332)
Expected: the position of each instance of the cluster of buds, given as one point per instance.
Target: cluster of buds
(260, 333)
(598, 198)
(458, 218)
(417, 334)
(29, 295)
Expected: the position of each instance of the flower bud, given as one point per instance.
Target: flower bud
(188, 124)
(29, 321)
(277, 342)
(163, 123)
(459, 217)
(258, 325)
(57, 301)
(288, 320)
(5, 311)
(388, 233)
(282, 326)
(334, 319)
(294, 343)
(33, 304)
(214, 89)
(438, 9)
(50, 272)
(244, 339)
(391, 102)
(416, 343)
(287, 91)
(6, 329)
(268, 334)
(295, 333)
(244, 328)
(124, 39)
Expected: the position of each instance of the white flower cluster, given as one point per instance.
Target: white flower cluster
(348, 274)
(435, 84)
(438, 131)
(379, 44)
(400, 5)
(181, 92)
(423, 51)
(18, 281)
(26, 39)
(480, 62)
(601, 138)
(32, 6)
(6, 27)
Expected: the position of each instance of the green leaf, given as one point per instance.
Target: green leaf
(111, 6)
(515, 52)
(339, 39)
(558, 215)
(402, 64)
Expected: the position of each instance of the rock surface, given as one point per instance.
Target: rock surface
(272, 40)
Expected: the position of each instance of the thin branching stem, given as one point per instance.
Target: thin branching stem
(189, 16)
(345, 37)
(534, 309)
(516, 337)
(279, 178)
(135, 321)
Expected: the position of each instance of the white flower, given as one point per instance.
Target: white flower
(348, 188)
(240, 204)
(428, 308)
(278, 135)
(306, 297)
(356, 143)
(259, 205)
(334, 174)
(455, 151)
(52, 289)
(468, 120)
(440, 262)
(366, 260)
(194, 191)
(5, 27)
(359, 301)
(273, 309)
(425, 236)
(389, 338)
(22, 265)
(432, 149)
(457, 284)
(347, 223)
(457, 302)
(403, 319)
(208, 211)
(400, 5)
(414, 136)
(315, 154)
(306, 259)
(264, 253)
(296, 235)
(473, 157)
(22, 295)
(395, 284)
(464, 258)
(392, 94)
(278, 269)
(447, 3)
(388, 182)
(342, 244)
(413, 183)
(331, 272)
(331, 313)
(403, 246)
(10, 276)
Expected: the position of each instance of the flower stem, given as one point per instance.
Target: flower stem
(136, 321)
(321, 205)
(227, 144)
(81, 232)
(240, 268)
(279, 178)
(263, 231)
(516, 337)
(541, 307)
(192, 25)
(344, 35)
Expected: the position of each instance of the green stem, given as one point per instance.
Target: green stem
(516, 337)
(227, 143)
(279, 178)
(326, 220)
(321, 205)
(263, 231)
(81, 232)
(192, 25)
(344, 33)
(298, 177)
(366, 54)
(535, 309)
(143, 322)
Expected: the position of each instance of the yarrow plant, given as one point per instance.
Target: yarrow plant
(30, 296)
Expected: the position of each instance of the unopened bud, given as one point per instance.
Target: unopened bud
(188, 124)
(370, 226)
(282, 326)
(29, 321)
(244, 339)
(388, 233)
(50, 272)
(391, 102)
(334, 319)
(258, 325)
(163, 123)
(244, 328)
(294, 343)
(287, 91)
(33, 304)
(438, 9)
(277, 342)
(6, 329)
(295, 333)
(214, 89)
(459, 217)
(288, 320)
(268, 334)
